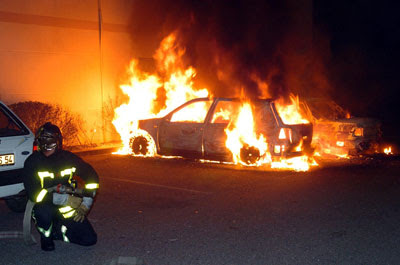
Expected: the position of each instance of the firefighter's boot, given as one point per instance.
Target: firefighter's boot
(47, 243)
(46, 240)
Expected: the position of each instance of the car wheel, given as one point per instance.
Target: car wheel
(249, 154)
(17, 203)
(139, 145)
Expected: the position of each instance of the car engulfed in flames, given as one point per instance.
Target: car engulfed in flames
(167, 114)
(202, 128)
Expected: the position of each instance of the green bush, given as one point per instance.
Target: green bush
(34, 114)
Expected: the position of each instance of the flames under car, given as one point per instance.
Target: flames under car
(196, 129)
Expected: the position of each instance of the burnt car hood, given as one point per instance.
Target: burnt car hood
(359, 121)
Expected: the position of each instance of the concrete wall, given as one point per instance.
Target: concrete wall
(50, 52)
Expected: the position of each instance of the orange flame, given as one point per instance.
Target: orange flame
(243, 134)
(241, 137)
(388, 150)
(291, 113)
(142, 91)
(300, 163)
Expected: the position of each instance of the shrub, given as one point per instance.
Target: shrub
(34, 114)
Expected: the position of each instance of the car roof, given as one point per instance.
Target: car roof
(232, 99)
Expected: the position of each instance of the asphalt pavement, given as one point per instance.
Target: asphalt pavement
(177, 211)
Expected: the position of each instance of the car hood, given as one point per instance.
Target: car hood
(357, 121)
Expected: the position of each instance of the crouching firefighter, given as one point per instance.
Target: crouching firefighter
(59, 211)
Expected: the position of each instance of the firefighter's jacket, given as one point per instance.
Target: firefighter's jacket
(42, 173)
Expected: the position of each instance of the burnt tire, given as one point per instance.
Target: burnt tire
(17, 203)
(249, 154)
(139, 145)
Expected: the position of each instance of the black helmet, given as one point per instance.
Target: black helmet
(49, 137)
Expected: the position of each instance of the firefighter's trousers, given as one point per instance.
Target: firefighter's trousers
(50, 222)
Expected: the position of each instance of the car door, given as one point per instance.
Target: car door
(215, 136)
(181, 132)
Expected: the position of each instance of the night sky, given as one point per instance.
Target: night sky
(351, 56)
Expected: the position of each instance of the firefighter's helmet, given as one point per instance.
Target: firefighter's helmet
(49, 137)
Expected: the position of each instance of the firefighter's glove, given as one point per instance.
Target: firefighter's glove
(74, 201)
(81, 213)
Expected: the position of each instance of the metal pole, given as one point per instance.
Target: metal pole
(101, 69)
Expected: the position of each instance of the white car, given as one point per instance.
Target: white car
(16, 144)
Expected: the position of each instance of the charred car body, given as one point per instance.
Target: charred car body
(196, 129)
(336, 134)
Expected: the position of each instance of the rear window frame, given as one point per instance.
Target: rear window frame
(7, 112)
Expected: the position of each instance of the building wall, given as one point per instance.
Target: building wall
(50, 51)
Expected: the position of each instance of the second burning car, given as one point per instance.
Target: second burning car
(197, 129)
(336, 133)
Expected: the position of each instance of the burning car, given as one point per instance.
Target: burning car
(336, 133)
(200, 129)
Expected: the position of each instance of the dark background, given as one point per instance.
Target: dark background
(364, 46)
(348, 51)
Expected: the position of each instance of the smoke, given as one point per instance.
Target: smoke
(237, 46)
(262, 48)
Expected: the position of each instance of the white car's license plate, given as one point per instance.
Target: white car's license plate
(7, 159)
